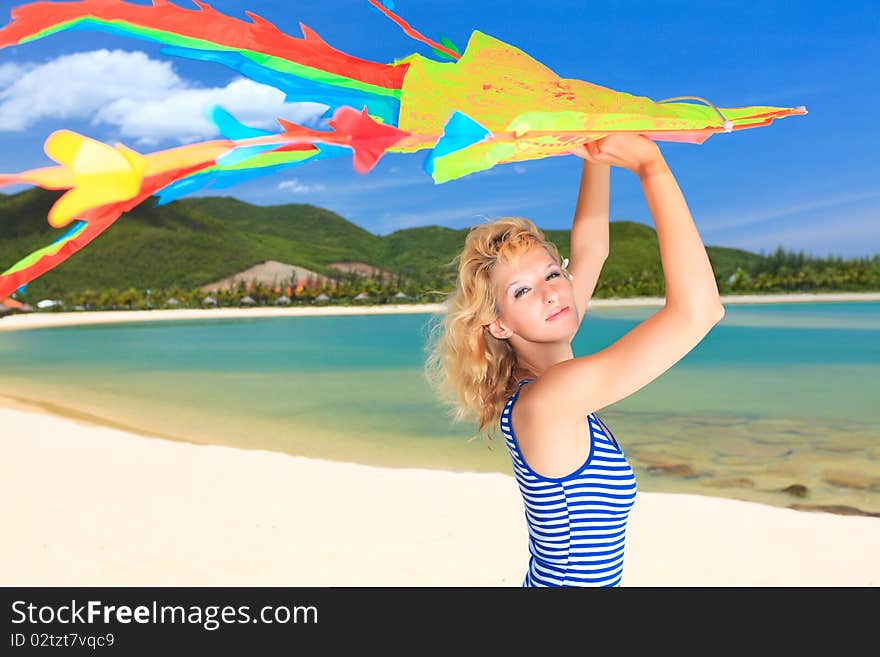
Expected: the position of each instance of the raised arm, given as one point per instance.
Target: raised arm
(588, 383)
(589, 232)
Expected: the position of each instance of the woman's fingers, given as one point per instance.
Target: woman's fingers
(627, 151)
(581, 151)
(600, 151)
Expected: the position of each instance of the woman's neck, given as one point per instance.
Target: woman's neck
(521, 372)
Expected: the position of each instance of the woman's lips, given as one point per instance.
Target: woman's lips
(558, 314)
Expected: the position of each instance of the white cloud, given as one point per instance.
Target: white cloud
(297, 187)
(364, 186)
(856, 235)
(142, 98)
(751, 219)
(360, 185)
(75, 86)
(180, 115)
(451, 217)
(9, 72)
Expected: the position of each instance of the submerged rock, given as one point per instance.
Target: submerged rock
(730, 459)
(730, 482)
(654, 458)
(798, 490)
(680, 469)
(852, 479)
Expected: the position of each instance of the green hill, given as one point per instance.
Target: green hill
(185, 243)
(195, 241)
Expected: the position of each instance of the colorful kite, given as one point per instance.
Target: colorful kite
(491, 105)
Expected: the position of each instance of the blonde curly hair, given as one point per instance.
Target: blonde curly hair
(469, 369)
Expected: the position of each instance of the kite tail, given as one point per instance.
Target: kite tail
(446, 49)
(306, 69)
(36, 263)
(92, 223)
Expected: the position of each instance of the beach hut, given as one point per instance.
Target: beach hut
(48, 303)
(322, 297)
(209, 301)
(282, 301)
(247, 301)
(172, 302)
(401, 295)
(362, 295)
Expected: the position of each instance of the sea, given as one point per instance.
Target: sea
(778, 404)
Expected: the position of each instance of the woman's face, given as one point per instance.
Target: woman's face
(529, 292)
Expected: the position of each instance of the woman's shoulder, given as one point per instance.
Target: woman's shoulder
(550, 443)
(531, 406)
(523, 394)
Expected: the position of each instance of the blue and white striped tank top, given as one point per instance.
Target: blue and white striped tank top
(576, 523)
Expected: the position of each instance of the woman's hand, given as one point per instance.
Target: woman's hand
(627, 150)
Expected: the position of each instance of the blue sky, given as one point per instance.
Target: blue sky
(808, 183)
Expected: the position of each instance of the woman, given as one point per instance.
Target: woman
(503, 354)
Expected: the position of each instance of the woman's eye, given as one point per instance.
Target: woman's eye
(517, 295)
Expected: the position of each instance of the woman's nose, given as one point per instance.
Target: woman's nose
(551, 294)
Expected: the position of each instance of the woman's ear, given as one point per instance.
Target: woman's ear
(497, 330)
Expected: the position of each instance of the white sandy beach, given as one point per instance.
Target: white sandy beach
(47, 319)
(87, 505)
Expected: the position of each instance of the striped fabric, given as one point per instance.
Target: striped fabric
(577, 523)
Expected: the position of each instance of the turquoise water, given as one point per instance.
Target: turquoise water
(775, 396)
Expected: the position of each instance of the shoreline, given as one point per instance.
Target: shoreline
(107, 507)
(41, 407)
(52, 319)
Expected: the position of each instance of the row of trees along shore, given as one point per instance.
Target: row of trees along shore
(780, 272)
